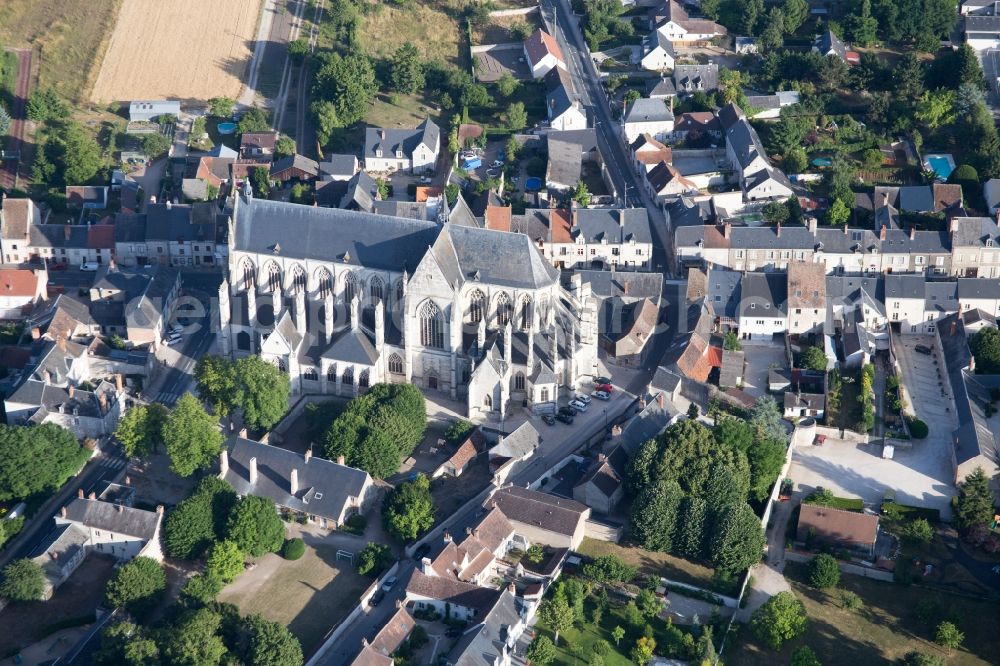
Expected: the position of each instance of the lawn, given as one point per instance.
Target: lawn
(387, 27)
(309, 595)
(653, 564)
(395, 110)
(886, 628)
(23, 624)
(497, 31)
(70, 37)
(8, 77)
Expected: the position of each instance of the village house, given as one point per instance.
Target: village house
(823, 525)
(415, 150)
(542, 53)
(541, 518)
(20, 291)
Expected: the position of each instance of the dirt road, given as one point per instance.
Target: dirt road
(19, 118)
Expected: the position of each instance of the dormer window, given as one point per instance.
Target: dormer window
(989, 242)
(399, 154)
(378, 152)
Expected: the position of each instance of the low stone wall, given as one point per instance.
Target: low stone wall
(508, 46)
(845, 567)
(519, 11)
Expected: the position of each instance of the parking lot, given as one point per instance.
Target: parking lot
(760, 357)
(925, 386)
(920, 476)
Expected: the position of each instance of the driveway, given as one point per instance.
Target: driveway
(921, 476)
(760, 357)
(926, 388)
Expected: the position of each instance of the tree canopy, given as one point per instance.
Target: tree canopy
(255, 526)
(824, 571)
(408, 509)
(261, 391)
(192, 437)
(199, 520)
(50, 452)
(271, 644)
(813, 358)
(138, 585)
(141, 429)
(253, 119)
(985, 346)
(407, 69)
(738, 542)
(225, 562)
(782, 618)
(22, 580)
(343, 88)
(975, 501)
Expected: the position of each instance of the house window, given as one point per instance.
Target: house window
(431, 326)
(545, 394)
(477, 306)
(918, 260)
(395, 364)
(505, 310)
(895, 316)
(331, 373)
(614, 251)
(519, 381)
(348, 377)
(939, 261)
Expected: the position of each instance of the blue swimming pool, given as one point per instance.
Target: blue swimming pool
(822, 162)
(942, 165)
(532, 184)
(227, 128)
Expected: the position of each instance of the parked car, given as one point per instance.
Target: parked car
(578, 405)
(389, 583)
(564, 418)
(923, 349)
(90, 266)
(607, 388)
(423, 550)
(602, 395)
(376, 598)
(58, 266)
(566, 409)
(601, 380)
(548, 419)
(497, 164)
(584, 398)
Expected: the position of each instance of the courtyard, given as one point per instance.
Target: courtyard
(760, 358)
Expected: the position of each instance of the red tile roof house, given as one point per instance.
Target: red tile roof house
(542, 53)
(824, 525)
(20, 290)
(463, 456)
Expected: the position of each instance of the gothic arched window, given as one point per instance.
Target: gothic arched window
(431, 326)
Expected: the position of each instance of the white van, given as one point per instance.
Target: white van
(89, 266)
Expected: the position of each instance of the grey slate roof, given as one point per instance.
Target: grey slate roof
(531, 507)
(560, 92)
(113, 517)
(969, 288)
(764, 295)
(565, 162)
(684, 211)
(982, 27)
(645, 110)
(616, 225)
(829, 42)
(854, 289)
(916, 198)
(324, 486)
(360, 194)
(174, 222)
(606, 284)
(485, 643)
(723, 292)
(353, 346)
(499, 258)
(661, 88)
(974, 232)
(904, 286)
(696, 77)
(296, 161)
(406, 140)
(339, 165)
(941, 297)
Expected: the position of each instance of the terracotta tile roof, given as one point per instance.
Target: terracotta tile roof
(715, 237)
(806, 285)
(464, 455)
(101, 237)
(837, 525)
(18, 215)
(946, 196)
(540, 44)
(697, 120)
(561, 225)
(498, 217)
(424, 193)
(204, 172)
(18, 282)
(699, 358)
(386, 641)
(264, 140)
(649, 151)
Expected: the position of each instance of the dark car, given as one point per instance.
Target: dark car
(453, 632)
(549, 419)
(923, 349)
(376, 598)
(423, 550)
(601, 380)
(564, 418)
(567, 410)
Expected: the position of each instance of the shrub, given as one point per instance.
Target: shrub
(138, 585)
(23, 580)
(851, 601)
(918, 429)
(373, 559)
(823, 571)
(609, 569)
(293, 549)
(948, 635)
(782, 618)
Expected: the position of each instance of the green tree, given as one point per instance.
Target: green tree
(919, 659)
(293, 549)
(804, 656)
(541, 651)
(348, 83)
(641, 467)
(738, 542)
(49, 452)
(690, 538)
(459, 431)
(775, 212)
(535, 554)
(44, 105)
(610, 570)
(966, 176)
(731, 341)
(199, 520)
(261, 391)
(378, 454)
(253, 119)
(918, 531)
(794, 13)
(975, 502)
(649, 604)
(851, 601)
(557, 614)
(692, 411)
(126, 643)
(947, 635)
(765, 419)
(225, 562)
(782, 618)
(200, 590)
(643, 650)
(221, 107)
(141, 428)
(5, 121)
(193, 639)
(192, 437)
(80, 154)
(863, 27)
(985, 347)
(42, 170)
(255, 526)
(813, 358)
(216, 382)
(137, 586)
(155, 144)
(22, 580)
(728, 484)
(406, 69)
(824, 571)
(516, 117)
(408, 510)
(298, 49)
(271, 644)
(654, 515)
(373, 559)
(284, 146)
(936, 108)
(838, 214)
(581, 194)
(618, 633)
(507, 85)
(795, 160)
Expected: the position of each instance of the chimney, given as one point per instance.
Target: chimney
(224, 463)
(659, 399)
(913, 233)
(127, 481)
(616, 430)
(446, 536)
(399, 603)
(293, 481)
(881, 233)
(601, 457)
(379, 325)
(468, 531)
(777, 230)
(972, 363)
(511, 588)
(845, 229)
(119, 383)
(159, 509)
(103, 400)
(92, 495)
(426, 568)
(308, 455)
(170, 204)
(46, 376)
(54, 555)
(80, 493)
(67, 231)
(954, 327)
(812, 222)
(36, 333)
(62, 512)
(253, 470)
(340, 460)
(120, 508)
(727, 230)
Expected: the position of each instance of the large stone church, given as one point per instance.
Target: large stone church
(343, 299)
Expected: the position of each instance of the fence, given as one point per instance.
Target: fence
(357, 612)
(846, 567)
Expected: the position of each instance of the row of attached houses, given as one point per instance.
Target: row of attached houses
(969, 248)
